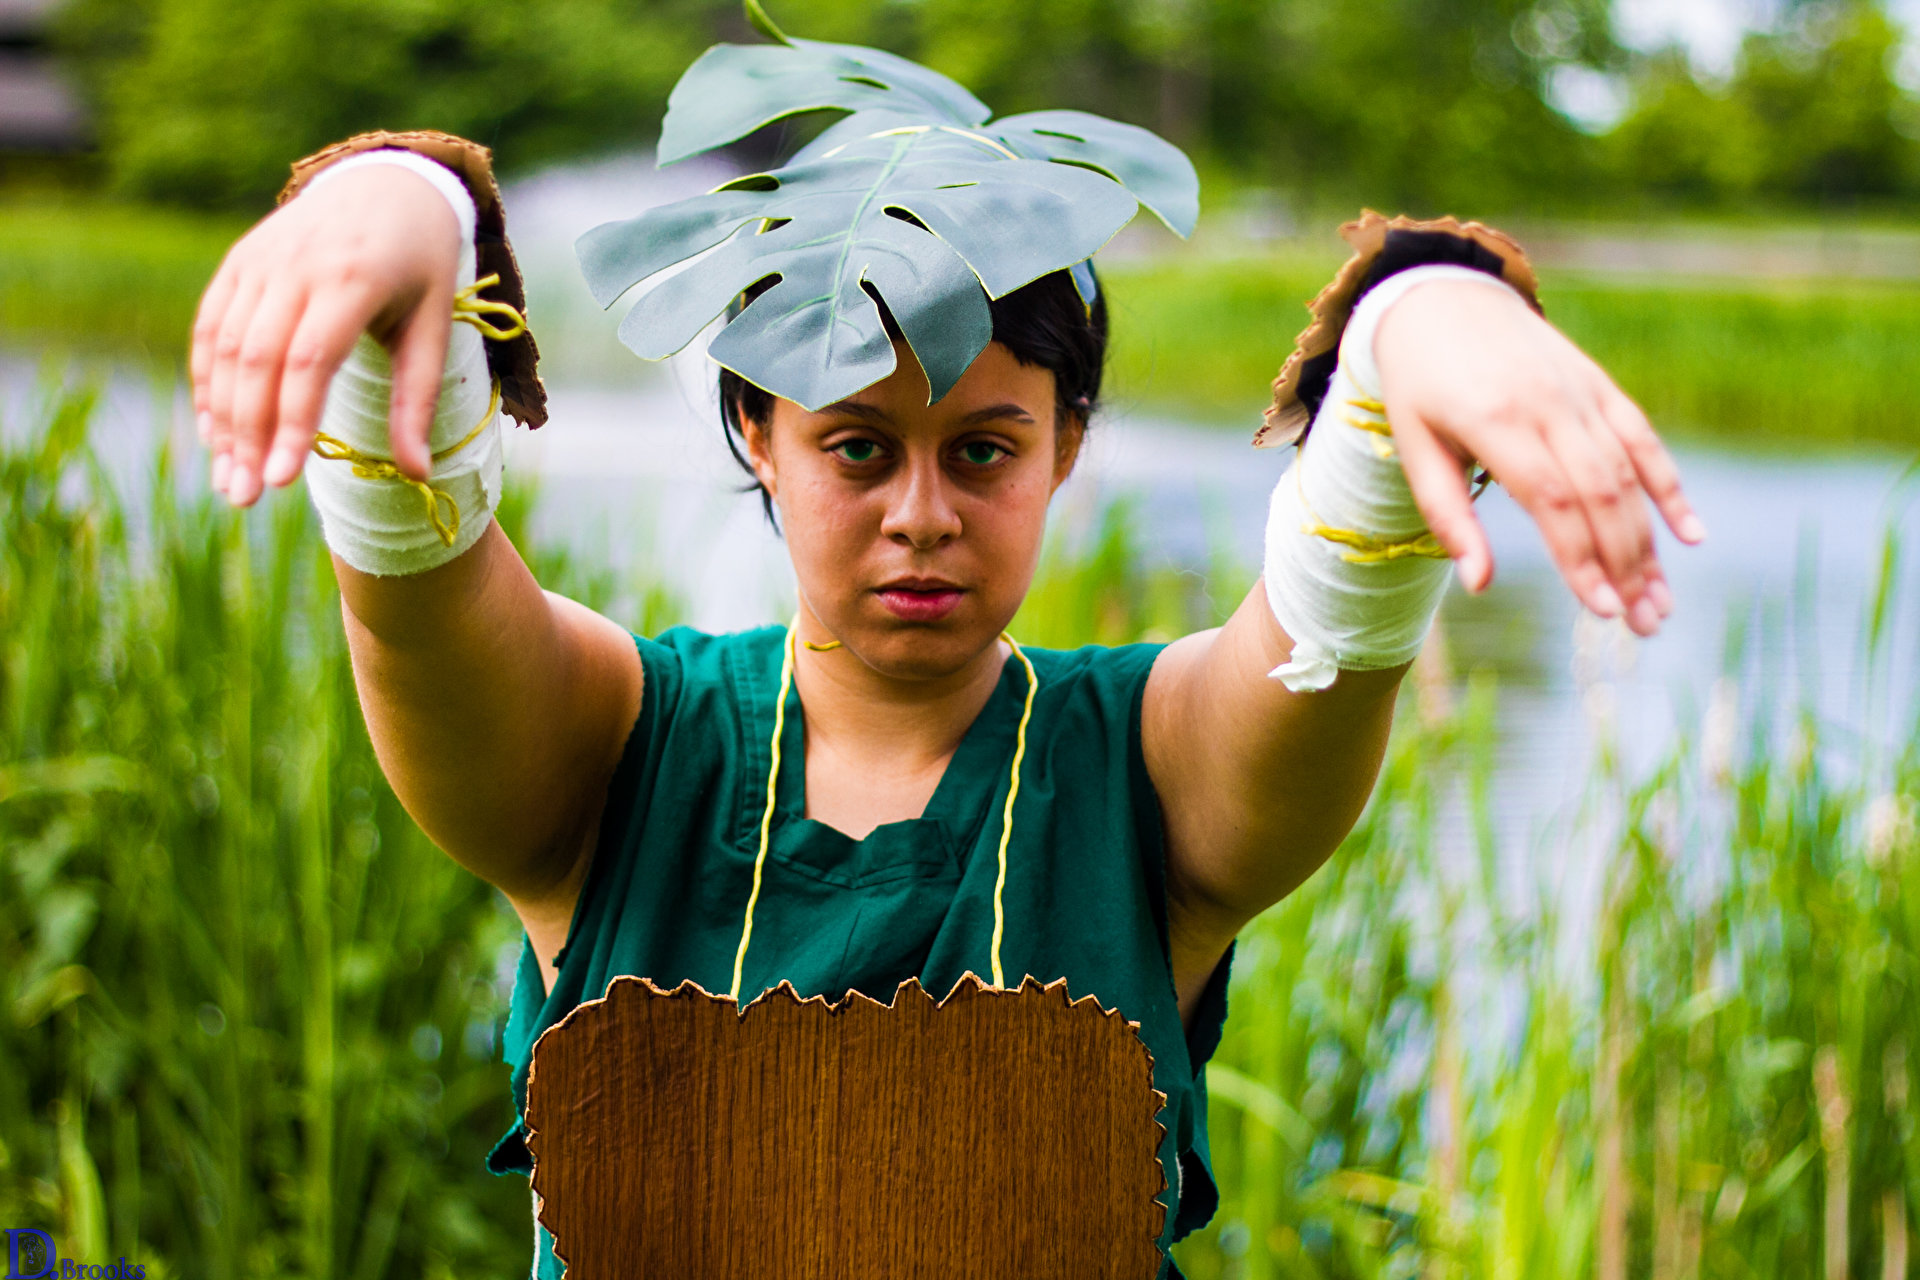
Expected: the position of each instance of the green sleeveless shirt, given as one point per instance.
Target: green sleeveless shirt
(1085, 896)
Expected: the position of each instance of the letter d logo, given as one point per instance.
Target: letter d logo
(17, 1255)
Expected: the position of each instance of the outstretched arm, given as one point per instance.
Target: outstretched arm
(498, 710)
(1259, 783)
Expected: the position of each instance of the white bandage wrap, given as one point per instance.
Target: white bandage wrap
(380, 524)
(1343, 613)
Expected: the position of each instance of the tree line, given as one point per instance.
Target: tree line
(1423, 105)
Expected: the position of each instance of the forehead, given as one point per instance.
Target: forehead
(995, 381)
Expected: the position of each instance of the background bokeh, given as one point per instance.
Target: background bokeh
(1620, 974)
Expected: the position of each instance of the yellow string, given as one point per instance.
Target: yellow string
(1381, 431)
(773, 789)
(1006, 814)
(470, 308)
(1368, 549)
(766, 816)
(368, 466)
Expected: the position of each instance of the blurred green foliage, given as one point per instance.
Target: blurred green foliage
(1811, 114)
(1788, 363)
(109, 276)
(1416, 105)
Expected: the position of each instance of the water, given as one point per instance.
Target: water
(633, 474)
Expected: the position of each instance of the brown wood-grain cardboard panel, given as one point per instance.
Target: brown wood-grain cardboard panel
(993, 1134)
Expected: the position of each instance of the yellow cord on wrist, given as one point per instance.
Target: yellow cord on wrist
(470, 308)
(443, 512)
(1368, 549)
(368, 466)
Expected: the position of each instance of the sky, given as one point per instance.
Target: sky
(1710, 31)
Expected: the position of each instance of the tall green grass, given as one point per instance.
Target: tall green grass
(247, 1012)
(1709, 1072)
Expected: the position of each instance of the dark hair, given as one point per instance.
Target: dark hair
(1044, 324)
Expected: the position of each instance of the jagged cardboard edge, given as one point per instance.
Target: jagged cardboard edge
(1287, 418)
(969, 987)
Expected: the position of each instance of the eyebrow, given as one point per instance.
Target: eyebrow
(996, 413)
(854, 409)
(872, 413)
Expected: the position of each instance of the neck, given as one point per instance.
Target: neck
(896, 728)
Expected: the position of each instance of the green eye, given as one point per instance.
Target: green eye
(981, 453)
(856, 450)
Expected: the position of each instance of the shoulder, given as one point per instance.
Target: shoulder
(685, 660)
(1094, 686)
(1094, 668)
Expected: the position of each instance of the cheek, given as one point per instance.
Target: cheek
(827, 523)
(1006, 526)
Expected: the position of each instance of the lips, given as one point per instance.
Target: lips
(920, 599)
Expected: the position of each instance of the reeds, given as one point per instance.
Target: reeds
(1711, 1078)
(247, 1013)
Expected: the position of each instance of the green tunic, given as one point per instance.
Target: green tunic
(1085, 896)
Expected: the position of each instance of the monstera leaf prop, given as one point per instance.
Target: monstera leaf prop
(914, 196)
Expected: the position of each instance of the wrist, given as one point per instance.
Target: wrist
(1383, 320)
(1384, 249)
(382, 167)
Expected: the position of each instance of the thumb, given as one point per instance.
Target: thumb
(1440, 490)
(419, 361)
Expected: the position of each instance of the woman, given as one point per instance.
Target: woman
(626, 794)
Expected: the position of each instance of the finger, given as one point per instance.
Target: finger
(327, 332)
(1608, 491)
(226, 361)
(419, 361)
(206, 328)
(256, 393)
(1647, 597)
(1658, 474)
(1440, 489)
(1539, 483)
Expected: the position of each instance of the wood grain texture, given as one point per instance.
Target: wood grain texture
(992, 1134)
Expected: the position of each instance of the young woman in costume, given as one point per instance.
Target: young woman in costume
(912, 358)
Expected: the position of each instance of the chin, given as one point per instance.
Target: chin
(920, 650)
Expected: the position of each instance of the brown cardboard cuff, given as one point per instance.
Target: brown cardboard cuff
(1318, 345)
(514, 362)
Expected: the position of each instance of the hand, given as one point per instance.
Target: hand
(372, 251)
(1471, 374)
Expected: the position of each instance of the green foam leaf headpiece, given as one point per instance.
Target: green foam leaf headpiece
(915, 196)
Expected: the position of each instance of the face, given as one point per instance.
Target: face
(915, 529)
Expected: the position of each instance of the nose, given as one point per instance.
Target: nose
(920, 511)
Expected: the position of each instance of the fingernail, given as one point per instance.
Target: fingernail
(1662, 597)
(222, 469)
(1607, 602)
(242, 487)
(1692, 529)
(280, 465)
(203, 423)
(1645, 618)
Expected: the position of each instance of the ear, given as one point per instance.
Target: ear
(1070, 431)
(759, 440)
